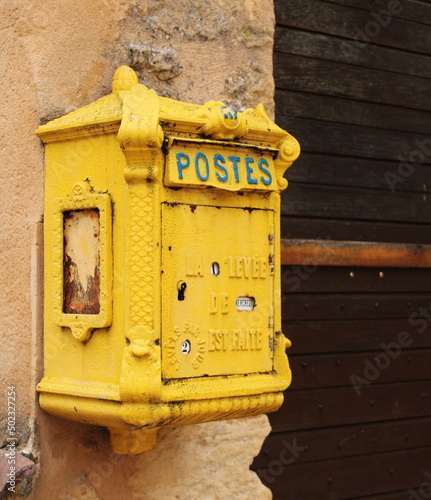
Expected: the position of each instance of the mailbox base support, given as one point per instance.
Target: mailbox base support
(127, 442)
(133, 426)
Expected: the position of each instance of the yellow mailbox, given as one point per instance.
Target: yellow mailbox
(162, 263)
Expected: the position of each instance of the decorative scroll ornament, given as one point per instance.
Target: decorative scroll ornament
(140, 135)
(289, 150)
(222, 122)
(124, 79)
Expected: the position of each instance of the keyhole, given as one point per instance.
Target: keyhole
(181, 289)
(215, 269)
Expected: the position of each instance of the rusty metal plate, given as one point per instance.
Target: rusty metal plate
(81, 262)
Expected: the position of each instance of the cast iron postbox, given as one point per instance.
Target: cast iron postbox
(162, 263)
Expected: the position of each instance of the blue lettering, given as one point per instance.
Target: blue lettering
(235, 160)
(217, 160)
(249, 170)
(267, 181)
(207, 167)
(182, 165)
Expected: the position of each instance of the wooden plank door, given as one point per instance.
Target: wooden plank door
(354, 87)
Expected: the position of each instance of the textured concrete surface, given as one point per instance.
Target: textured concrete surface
(56, 57)
(204, 461)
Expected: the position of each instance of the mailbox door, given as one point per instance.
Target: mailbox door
(217, 291)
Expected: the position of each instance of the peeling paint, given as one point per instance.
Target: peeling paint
(81, 265)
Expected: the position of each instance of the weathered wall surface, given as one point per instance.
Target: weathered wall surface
(56, 57)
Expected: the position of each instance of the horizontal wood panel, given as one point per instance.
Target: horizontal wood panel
(349, 478)
(312, 278)
(336, 229)
(413, 10)
(357, 204)
(324, 306)
(293, 104)
(353, 440)
(367, 55)
(364, 142)
(354, 253)
(346, 22)
(395, 495)
(337, 79)
(394, 363)
(349, 336)
(333, 170)
(330, 407)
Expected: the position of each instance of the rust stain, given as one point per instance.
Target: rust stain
(81, 263)
(354, 253)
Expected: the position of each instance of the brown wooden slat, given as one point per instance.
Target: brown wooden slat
(413, 10)
(345, 21)
(355, 204)
(396, 495)
(293, 104)
(338, 79)
(316, 227)
(313, 278)
(350, 336)
(350, 478)
(351, 306)
(313, 372)
(333, 170)
(353, 440)
(403, 148)
(354, 253)
(320, 46)
(332, 407)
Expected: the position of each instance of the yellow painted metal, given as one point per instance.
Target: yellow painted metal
(221, 268)
(180, 297)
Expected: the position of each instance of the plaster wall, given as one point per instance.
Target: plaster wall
(56, 57)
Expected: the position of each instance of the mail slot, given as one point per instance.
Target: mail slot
(162, 263)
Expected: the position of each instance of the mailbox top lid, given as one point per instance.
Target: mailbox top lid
(139, 116)
(213, 119)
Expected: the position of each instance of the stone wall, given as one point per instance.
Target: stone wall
(56, 57)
